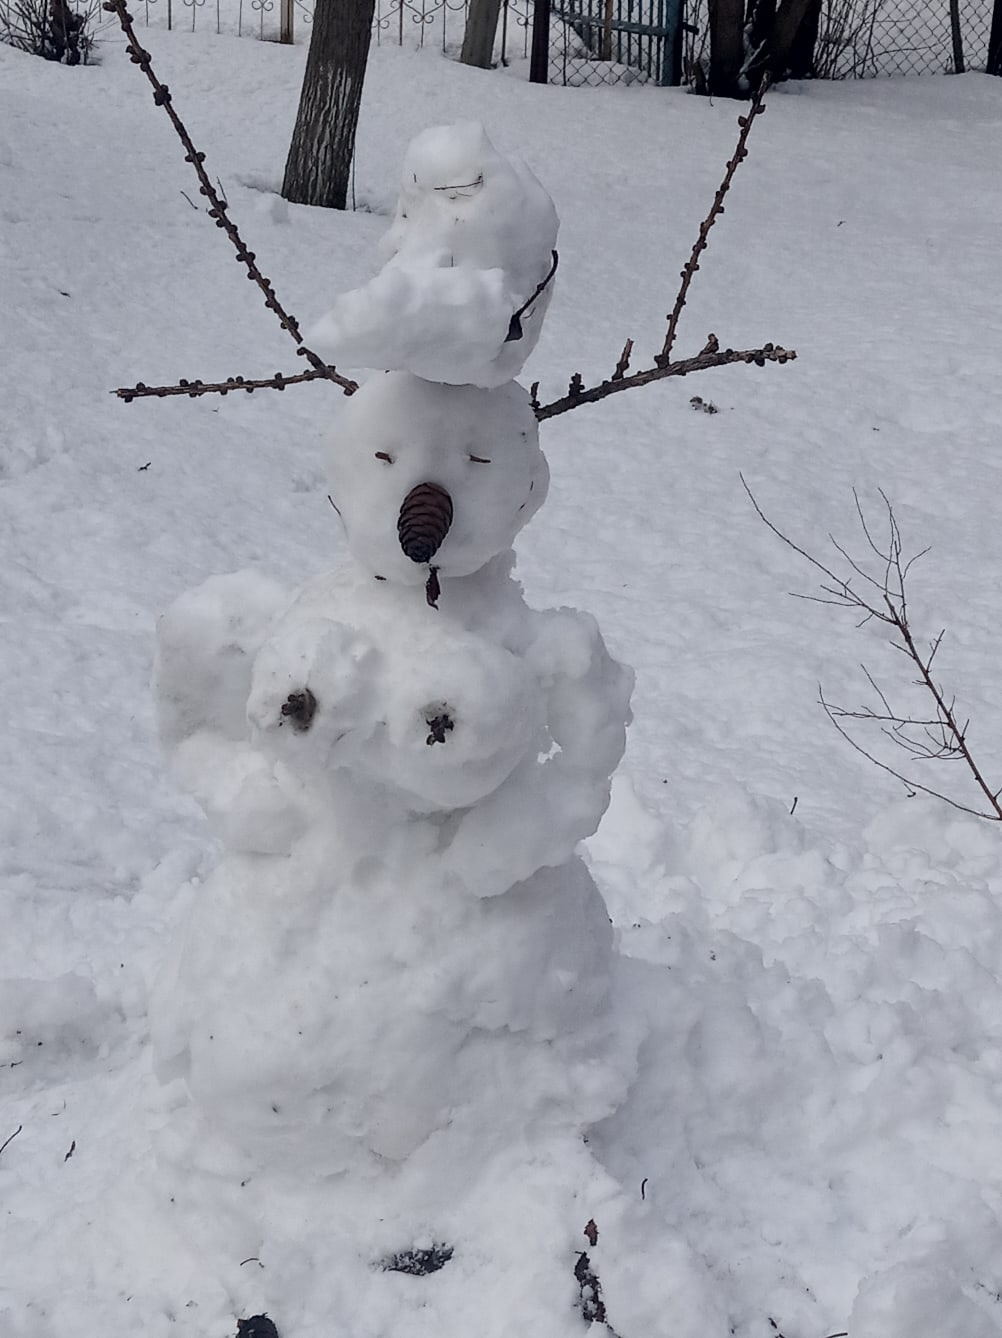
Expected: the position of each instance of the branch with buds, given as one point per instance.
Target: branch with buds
(711, 355)
(875, 589)
(219, 212)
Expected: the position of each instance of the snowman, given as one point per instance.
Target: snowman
(393, 1004)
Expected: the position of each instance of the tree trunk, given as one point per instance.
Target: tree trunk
(802, 52)
(995, 41)
(478, 40)
(318, 168)
(727, 19)
(790, 18)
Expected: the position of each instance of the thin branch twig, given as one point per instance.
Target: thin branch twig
(7, 1141)
(945, 738)
(716, 209)
(195, 388)
(702, 361)
(711, 355)
(218, 211)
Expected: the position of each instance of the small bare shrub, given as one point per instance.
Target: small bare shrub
(52, 29)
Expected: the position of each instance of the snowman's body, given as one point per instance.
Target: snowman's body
(423, 915)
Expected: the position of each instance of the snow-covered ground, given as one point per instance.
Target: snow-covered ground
(818, 1111)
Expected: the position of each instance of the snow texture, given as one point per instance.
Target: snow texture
(471, 242)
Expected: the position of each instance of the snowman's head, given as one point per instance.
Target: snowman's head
(458, 467)
(449, 160)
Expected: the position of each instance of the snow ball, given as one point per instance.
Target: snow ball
(481, 446)
(470, 246)
(206, 643)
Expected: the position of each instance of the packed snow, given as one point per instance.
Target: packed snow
(469, 271)
(786, 1048)
(481, 445)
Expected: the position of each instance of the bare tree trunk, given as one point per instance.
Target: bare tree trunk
(995, 41)
(478, 40)
(727, 19)
(802, 64)
(790, 17)
(318, 168)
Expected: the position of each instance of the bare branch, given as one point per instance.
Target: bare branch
(942, 737)
(700, 363)
(716, 209)
(994, 816)
(711, 354)
(219, 207)
(195, 388)
(624, 361)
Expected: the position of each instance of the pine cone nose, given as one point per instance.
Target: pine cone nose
(424, 521)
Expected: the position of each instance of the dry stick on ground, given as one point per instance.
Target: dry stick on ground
(711, 355)
(941, 737)
(218, 212)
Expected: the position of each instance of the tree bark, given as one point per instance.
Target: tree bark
(478, 40)
(995, 41)
(802, 52)
(318, 168)
(726, 47)
(790, 17)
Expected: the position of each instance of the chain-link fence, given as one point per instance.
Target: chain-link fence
(859, 39)
(622, 41)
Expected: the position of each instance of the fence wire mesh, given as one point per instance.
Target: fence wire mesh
(619, 41)
(860, 39)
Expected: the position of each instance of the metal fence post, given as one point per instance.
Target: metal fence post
(539, 61)
(995, 41)
(285, 21)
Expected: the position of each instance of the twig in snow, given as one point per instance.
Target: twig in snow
(6, 1143)
(219, 206)
(940, 736)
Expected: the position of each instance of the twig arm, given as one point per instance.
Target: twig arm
(700, 363)
(195, 388)
(716, 209)
(218, 210)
